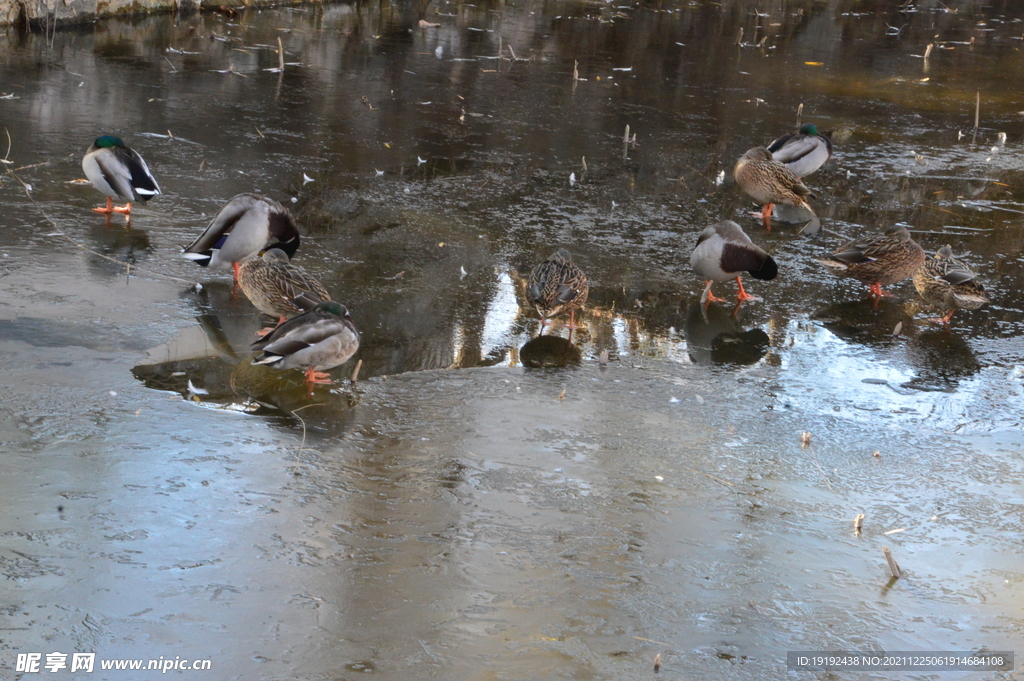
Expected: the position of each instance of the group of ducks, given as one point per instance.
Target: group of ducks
(257, 237)
(773, 175)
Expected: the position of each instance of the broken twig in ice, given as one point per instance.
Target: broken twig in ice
(977, 115)
(894, 567)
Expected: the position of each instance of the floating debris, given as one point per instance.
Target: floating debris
(194, 392)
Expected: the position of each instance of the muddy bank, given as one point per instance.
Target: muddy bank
(46, 14)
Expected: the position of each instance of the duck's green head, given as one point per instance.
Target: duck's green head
(109, 142)
(809, 129)
(336, 309)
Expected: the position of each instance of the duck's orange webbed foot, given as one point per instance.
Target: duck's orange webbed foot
(318, 377)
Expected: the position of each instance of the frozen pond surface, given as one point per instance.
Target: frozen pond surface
(456, 515)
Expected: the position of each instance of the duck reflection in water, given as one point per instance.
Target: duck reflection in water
(288, 392)
(871, 321)
(125, 246)
(548, 352)
(940, 359)
(210, 363)
(714, 336)
(236, 384)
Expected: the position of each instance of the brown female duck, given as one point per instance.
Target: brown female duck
(884, 260)
(277, 287)
(557, 285)
(948, 284)
(769, 182)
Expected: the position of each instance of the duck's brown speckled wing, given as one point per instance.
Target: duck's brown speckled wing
(557, 285)
(273, 287)
(886, 259)
(948, 283)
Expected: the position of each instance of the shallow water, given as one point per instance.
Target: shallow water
(482, 504)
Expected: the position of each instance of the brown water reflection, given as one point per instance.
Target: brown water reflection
(455, 514)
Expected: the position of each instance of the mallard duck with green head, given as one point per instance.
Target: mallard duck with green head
(278, 287)
(317, 340)
(881, 261)
(725, 252)
(948, 284)
(803, 152)
(557, 285)
(118, 172)
(768, 182)
(245, 225)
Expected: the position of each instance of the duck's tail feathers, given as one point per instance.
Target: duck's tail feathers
(767, 271)
(201, 259)
(978, 298)
(838, 266)
(267, 359)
